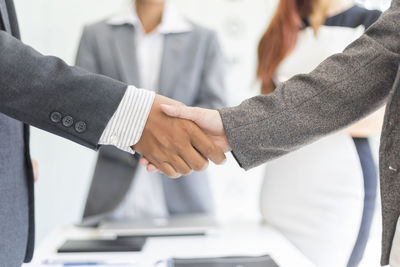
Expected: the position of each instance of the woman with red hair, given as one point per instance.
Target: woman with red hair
(322, 197)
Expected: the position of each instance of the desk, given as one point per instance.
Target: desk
(245, 239)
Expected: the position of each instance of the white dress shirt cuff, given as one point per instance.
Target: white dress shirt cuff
(126, 125)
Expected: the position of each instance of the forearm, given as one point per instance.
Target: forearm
(34, 86)
(342, 90)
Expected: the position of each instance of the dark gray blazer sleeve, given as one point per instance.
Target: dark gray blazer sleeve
(343, 89)
(33, 86)
(212, 90)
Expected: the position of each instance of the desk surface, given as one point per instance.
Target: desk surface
(243, 240)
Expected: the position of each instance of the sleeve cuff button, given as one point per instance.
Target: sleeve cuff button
(68, 121)
(55, 117)
(80, 127)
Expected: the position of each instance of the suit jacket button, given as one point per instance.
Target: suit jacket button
(80, 127)
(55, 117)
(68, 121)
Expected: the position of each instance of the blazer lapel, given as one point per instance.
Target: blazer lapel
(125, 55)
(171, 63)
(4, 16)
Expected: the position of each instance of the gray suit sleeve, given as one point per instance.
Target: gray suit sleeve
(343, 89)
(86, 56)
(212, 91)
(33, 86)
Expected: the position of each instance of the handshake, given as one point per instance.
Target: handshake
(178, 139)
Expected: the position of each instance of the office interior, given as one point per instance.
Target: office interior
(66, 169)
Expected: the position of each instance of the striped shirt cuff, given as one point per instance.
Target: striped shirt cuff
(126, 125)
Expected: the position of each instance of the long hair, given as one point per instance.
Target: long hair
(281, 36)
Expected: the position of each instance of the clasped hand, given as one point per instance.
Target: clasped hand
(172, 143)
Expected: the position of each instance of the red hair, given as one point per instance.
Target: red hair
(281, 36)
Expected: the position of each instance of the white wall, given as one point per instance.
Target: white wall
(54, 27)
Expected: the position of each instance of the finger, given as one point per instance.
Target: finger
(144, 162)
(151, 168)
(169, 101)
(150, 163)
(183, 112)
(206, 147)
(194, 159)
(35, 170)
(168, 170)
(181, 166)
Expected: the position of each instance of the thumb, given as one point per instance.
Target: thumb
(182, 112)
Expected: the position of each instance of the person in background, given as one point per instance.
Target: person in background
(151, 46)
(322, 197)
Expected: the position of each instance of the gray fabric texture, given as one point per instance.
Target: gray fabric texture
(14, 216)
(5, 20)
(32, 87)
(192, 71)
(343, 89)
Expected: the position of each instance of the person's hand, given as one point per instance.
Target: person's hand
(175, 146)
(35, 170)
(208, 120)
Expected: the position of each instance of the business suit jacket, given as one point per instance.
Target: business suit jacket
(41, 91)
(192, 71)
(343, 89)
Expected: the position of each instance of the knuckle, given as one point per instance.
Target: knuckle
(188, 127)
(179, 145)
(209, 150)
(165, 143)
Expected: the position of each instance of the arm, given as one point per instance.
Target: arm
(343, 89)
(212, 92)
(371, 125)
(33, 87)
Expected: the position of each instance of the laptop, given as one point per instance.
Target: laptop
(261, 261)
(183, 225)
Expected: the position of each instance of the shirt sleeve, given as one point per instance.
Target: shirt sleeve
(126, 125)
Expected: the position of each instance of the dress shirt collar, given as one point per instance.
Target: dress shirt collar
(172, 20)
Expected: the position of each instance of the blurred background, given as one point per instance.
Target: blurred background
(65, 169)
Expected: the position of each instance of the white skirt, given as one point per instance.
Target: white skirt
(314, 196)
